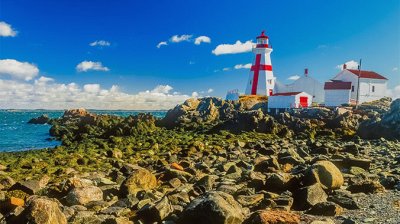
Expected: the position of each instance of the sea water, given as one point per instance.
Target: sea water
(17, 135)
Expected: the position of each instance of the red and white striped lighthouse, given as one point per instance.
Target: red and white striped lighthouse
(261, 79)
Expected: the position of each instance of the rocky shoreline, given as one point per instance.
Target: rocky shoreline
(211, 161)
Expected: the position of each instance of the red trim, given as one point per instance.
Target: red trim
(262, 46)
(287, 94)
(337, 85)
(261, 67)
(256, 73)
(262, 35)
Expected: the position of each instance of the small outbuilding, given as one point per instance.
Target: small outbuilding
(337, 93)
(284, 101)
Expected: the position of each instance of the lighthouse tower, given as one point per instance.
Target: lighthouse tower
(261, 79)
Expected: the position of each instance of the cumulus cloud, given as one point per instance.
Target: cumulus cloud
(45, 93)
(177, 38)
(85, 66)
(19, 70)
(235, 48)
(100, 43)
(162, 43)
(349, 65)
(210, 90)
(241, 66)
(294, 77)
(226, 69)
(6, 30)
(201, 39)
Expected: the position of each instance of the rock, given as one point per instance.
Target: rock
(118, 220)
(308, 196)
(15, 202)
(326, 209)
(42, 210)
(273, 217)
(324, 221)
(221, 208)
(43, 119)
(176, 166)
(325, 173)
(366, 186)
(250, 200)
(84, 195)
(206, 183)
(277, 182)
(29, 186)
(6, 181)
(86, 217)
(157, 212)
(343, 199)
(356, 162)
(140, 179)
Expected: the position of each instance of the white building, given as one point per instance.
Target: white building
(344, 87)
(284, 101)
(261, 78)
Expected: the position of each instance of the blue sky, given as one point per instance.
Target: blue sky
(55, 37)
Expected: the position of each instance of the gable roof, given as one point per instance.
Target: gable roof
(366, 74)
(337, 85)
(286, 94)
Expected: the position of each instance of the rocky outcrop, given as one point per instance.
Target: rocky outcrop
(387, 126)
(43, 119)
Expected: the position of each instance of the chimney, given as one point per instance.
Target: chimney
(344, 66)
(306, 72)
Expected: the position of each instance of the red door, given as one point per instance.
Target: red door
(270, 92)
(304, 101)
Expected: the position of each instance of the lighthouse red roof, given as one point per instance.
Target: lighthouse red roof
(337, 85)
(262, 35)
(366, 74)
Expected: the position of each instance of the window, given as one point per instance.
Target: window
(373, 89)
(352, 88)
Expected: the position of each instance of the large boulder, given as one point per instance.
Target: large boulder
(84, 195)
(325, 173)
(43, 119)
(214, 207)
(140, 179)
(273, 217)
(42, 210)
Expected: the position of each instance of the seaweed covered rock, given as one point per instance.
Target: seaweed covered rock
(140, 179)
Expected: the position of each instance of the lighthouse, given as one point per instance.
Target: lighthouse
(261, 78)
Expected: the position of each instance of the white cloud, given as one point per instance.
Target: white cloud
(395, 69)
(101, 43)
(294, 77)
(195, 94)
(6, 30)
(226, 69)
(394, 93)
(201, 39)
(177, 38)
(235, 48)
(241, 66)
(210, 90)
(161, 44)
(85, 66)
(349, 65)
(17, 69)
(45, 93)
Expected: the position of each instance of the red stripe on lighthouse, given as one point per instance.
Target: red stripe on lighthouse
(256, 73)
(261, 67)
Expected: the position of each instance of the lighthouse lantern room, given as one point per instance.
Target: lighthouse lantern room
(261, 78)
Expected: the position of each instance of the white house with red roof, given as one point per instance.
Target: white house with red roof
(284, 101)
(343, 88)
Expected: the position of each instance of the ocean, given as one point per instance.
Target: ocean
(17, 135)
